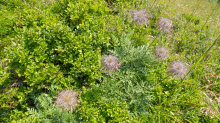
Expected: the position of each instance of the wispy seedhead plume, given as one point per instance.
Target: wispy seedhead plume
(140, 17)
(161, 53)
(110, 63)
(165, 25)
(178, 69)
(67, 100)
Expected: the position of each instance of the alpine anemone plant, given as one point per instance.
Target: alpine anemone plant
(67, 100)
(140, 17)
(161, 53)
(178, 69)
(165, 25)
(110, 63)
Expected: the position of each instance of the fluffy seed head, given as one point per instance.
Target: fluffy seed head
(67, 100)
(140, 17)
(178, 68)
(110, 63)
(161, 53)
(165, 25)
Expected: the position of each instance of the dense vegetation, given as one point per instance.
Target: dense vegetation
(107, 61)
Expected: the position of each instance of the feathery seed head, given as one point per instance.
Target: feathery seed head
(161, 53)
(140, 17)
(178, 68)
(67, 100)
(165, 25)
(110, 63)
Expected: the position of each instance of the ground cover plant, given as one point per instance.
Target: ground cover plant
(109, 61)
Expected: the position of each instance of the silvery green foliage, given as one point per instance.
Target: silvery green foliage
(47, 112)
(140, 17)
(127, 52)
(178, 69)
(135, 79)
(161, 53)
(165, 25)
(133, 58)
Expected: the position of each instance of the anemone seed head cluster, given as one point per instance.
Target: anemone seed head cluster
(178, 68)
(110, 63)
(161, 53)
(140, 17)
(67, 100)
(165, 24)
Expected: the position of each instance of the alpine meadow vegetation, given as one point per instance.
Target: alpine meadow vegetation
(113, 61)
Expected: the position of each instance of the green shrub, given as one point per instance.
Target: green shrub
(47, 54)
